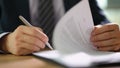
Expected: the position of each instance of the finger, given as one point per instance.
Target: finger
(108, 42)
(27, 46)
(111, 48)
(25, 52)
(33, 32)
(104, 36)
(105, 28)
(39, 34)
(117, 47)
(33, 41)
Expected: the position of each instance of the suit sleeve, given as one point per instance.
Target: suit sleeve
(0, 17)
(97, 13)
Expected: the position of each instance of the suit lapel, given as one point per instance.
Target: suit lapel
(70, 3)
(23, 8)
(17, 7)
(12, 9)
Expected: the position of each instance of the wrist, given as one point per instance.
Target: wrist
(3, 42)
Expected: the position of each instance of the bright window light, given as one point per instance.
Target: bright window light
(102, 3)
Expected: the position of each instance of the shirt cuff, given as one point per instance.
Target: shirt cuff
(1, 35)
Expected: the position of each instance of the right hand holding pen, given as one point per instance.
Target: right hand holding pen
(25, 40)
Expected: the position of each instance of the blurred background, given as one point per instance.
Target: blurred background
(111, 9)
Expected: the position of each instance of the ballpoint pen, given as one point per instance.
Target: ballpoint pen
(28, 24)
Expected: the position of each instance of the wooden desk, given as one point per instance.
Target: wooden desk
(12, 61)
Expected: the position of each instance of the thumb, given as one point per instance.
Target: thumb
(95, 28)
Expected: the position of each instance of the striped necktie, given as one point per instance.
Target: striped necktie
(46, 17)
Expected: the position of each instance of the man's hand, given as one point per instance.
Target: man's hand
(106, 37)
(25, 40)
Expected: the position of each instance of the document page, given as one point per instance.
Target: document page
(72, 33)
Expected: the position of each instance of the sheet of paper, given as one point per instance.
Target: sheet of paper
(73, 60)
(72, 40)
(72, 33)
(80, 59)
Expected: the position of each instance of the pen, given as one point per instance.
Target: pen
(28, 24)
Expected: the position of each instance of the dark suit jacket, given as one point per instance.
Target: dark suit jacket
(11, 9)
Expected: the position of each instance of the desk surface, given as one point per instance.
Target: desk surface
(12, 61)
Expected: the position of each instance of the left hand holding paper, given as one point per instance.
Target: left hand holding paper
(106, 37)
